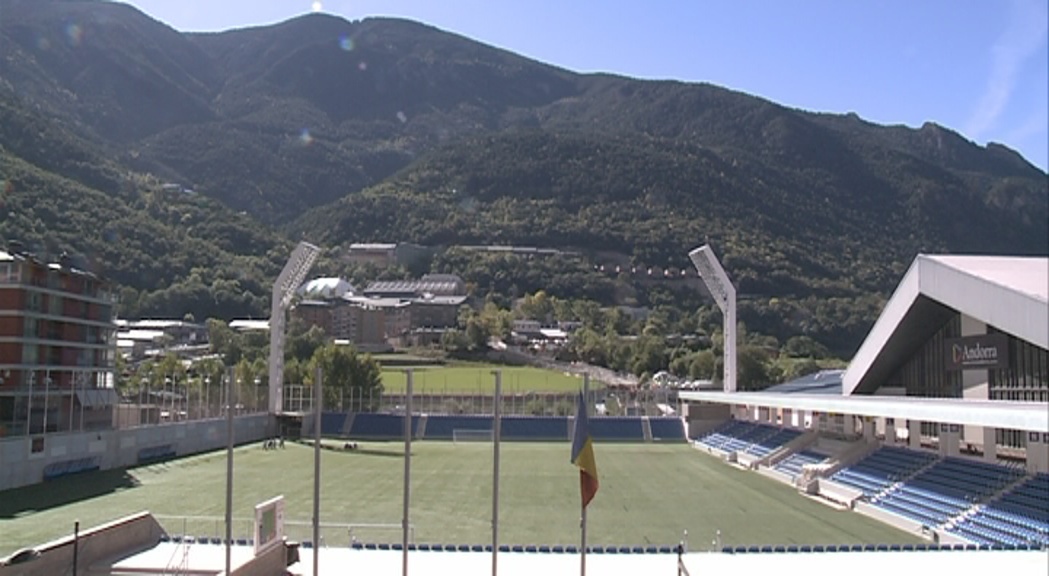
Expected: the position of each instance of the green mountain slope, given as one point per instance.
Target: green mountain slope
(389, 130)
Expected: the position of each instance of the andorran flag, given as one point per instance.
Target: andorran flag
(583, 453)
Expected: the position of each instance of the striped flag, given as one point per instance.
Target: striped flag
(583, 453)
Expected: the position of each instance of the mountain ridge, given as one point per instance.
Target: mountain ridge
(386, 129)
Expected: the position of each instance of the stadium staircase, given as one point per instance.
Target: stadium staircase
(1019, 515)
(793, 464)
(878, 471)
(646, 428)
(944, 491)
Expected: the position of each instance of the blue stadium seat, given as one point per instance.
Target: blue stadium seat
(477, 548)
(558, 549)
(504, 548)
(424, 547)
(571, 550)
(370, 546)
(545, 549)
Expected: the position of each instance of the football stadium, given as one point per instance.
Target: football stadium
(930, 451)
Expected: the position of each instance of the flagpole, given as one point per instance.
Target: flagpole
(407, 469)
(318, 414)
(582, 520)
(496, 437)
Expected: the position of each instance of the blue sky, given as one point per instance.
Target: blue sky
(978, 67)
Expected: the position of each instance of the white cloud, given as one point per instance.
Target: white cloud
(1027, 31)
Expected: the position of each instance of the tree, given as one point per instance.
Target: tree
(346, 374)
(752, 371)
(303, 341)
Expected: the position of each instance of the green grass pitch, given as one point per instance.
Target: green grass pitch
(650, 494)
(467, 378)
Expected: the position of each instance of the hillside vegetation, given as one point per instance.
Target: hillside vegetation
(184, 166)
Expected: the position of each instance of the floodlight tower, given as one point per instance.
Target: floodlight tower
(724, 293)
(294, 272)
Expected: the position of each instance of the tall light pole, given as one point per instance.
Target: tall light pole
(724, 293)
(294, 272)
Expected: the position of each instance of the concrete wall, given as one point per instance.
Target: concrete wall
(702, 417)
(97, 545)
(23, 459)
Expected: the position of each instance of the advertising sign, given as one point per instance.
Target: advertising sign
(984, 352)
(269, 523)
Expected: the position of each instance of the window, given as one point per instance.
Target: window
(29, 354)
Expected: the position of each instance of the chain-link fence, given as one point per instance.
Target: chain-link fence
(608, 402)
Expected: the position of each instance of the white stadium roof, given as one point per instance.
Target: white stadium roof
(1032, 416)
(1009, 293)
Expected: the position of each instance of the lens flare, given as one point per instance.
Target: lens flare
(362, 66)
(402, 117)
(75, 34)
(346, 43)
(317, 6)
(304, 137)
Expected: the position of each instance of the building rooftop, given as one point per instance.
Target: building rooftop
(249, 325)
(822, 382)
(330, 287)
(418, 287)
(1029, 275)
(372, 246)
(1006, 292)
(371, 302)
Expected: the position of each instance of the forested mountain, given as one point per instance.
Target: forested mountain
(389, 130)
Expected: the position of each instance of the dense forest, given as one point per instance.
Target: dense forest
(184, 167)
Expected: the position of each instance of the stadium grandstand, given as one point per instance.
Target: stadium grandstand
(939, 427)
(940, 424)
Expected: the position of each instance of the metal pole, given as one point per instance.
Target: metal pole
(582, 519)
(47, 392)
(407, 470)
(496, 437)
(318, 411)
(76, 545)
(229, 468)
(29, 406)
(72, 394)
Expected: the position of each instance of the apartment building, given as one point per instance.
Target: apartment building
(57, 347)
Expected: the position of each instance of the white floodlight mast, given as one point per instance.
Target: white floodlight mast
(294, 272)
(724, 293)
